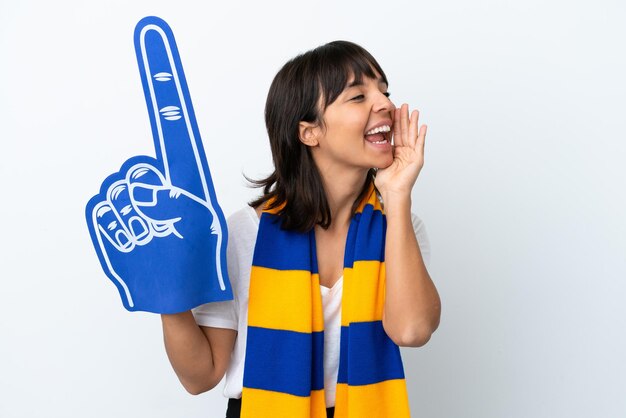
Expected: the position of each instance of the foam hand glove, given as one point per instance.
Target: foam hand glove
(156, 225)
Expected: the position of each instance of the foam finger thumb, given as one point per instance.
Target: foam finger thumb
(159, 203)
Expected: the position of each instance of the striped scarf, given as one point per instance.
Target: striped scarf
(283, 374)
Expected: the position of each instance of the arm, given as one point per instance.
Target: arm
(199, 355)
(412, 306)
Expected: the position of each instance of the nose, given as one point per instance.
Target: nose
(383, 104)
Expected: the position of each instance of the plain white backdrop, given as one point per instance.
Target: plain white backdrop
(522, 191)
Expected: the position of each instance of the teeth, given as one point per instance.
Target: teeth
(384, 141)
(384, 128)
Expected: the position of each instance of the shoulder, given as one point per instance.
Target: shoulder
(243, 226)
(245, 221)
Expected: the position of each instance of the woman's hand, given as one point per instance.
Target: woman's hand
(408, 154)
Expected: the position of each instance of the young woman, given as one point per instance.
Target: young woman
(326, 266)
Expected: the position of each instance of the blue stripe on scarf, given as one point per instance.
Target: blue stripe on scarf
(368, 365)
(294, 350)
(289, 250)
(365, 243)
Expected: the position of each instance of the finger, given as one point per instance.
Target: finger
(119, 199)
(163, 205)
(404, 124)
(413, 128)
(397, 131)
(109, 229)
(421, 139)
(144, 174)
(108, 236)
(160, 203)
(174, 128)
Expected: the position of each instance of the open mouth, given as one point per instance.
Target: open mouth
(379, 136)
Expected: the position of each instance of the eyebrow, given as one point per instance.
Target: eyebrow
(355, 83)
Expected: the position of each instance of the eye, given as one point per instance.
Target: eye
(387, 94)
(359, 97)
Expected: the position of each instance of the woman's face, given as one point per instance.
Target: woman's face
(358, 126)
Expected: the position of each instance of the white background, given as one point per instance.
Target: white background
(522, 192)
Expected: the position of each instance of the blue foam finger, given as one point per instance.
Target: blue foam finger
(156, 225)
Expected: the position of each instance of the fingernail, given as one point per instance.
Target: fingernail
(143, 194)
(137, 228)
(145, 175)
(122, 239)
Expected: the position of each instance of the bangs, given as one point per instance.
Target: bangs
(340, 61)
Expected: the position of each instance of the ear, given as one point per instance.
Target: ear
(309, 133)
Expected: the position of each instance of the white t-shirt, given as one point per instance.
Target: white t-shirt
(243, 226)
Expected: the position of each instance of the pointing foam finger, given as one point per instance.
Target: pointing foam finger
(174, 128)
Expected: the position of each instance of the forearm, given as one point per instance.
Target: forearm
(412, 305)
(189, 352)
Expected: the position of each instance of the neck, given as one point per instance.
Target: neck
(342, 194)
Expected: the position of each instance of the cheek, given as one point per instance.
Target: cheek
(345, 129)
(342, 130)
(353, 126)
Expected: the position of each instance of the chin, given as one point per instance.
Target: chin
(384, 163)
